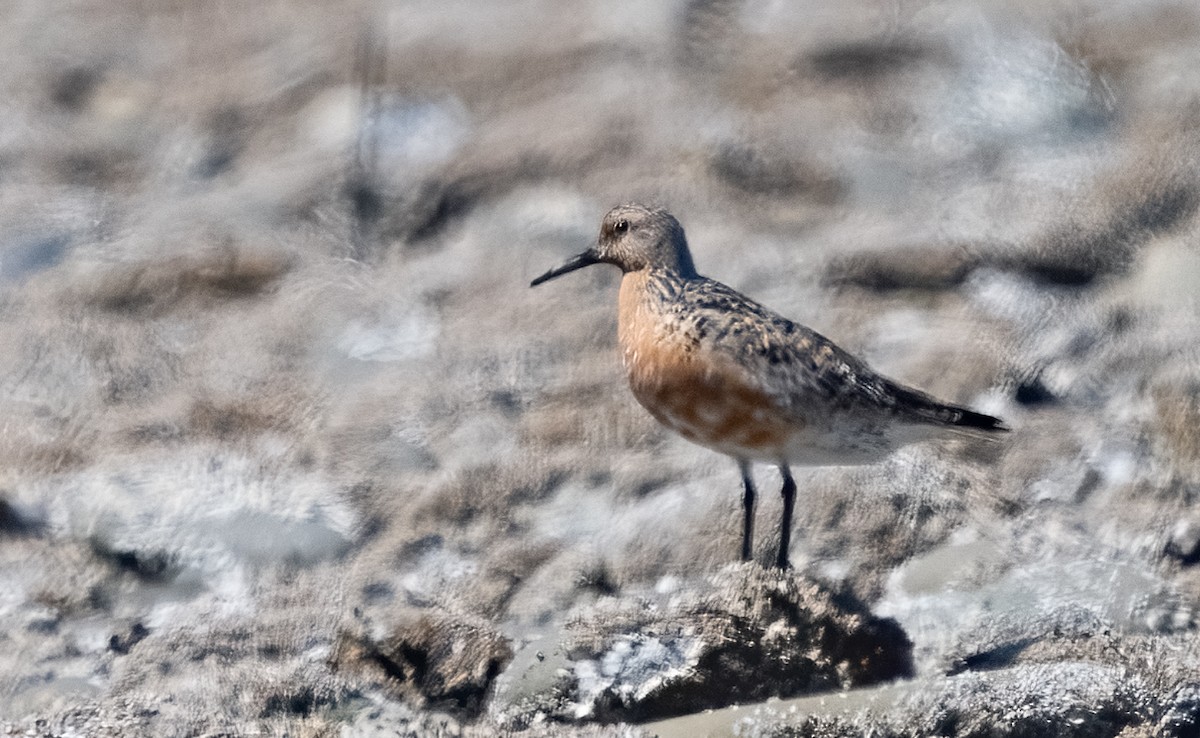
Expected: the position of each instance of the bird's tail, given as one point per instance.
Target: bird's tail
(971, 419)
(925, 409)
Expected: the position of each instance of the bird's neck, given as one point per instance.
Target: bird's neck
(631, 305)
(645, 295)
(647, 288)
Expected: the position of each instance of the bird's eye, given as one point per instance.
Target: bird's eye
(620, 226)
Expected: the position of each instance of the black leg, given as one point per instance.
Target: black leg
(789, 504)
(748, 507)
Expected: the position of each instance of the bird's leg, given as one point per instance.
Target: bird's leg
(748, 507)
(789, 504)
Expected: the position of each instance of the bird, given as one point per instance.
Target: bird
(731, 375)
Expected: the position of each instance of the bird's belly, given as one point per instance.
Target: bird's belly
(710, 407)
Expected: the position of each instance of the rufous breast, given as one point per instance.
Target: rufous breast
(693, 390)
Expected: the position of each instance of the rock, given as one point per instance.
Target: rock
(1031, 390)
(771, 172)
(14, 523)
(904, 267)
(1067, 254)
(1071, 633)
(435, 658)
(384, 719)
(1176, 425)
(869, 60)
(1080, 700)
(1182, 716)
(228, 270)
(750, 634)
(1184, 544)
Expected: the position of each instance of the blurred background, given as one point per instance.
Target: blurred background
(279, 404)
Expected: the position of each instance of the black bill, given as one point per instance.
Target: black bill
(587, 258)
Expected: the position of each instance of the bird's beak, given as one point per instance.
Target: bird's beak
(587, 258)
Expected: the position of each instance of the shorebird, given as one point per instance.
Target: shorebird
(731, 375)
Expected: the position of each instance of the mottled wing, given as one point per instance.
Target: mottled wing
(806, 372)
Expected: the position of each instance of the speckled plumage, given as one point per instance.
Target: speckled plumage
(729, 374)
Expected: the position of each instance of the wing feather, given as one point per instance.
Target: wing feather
(802, 369)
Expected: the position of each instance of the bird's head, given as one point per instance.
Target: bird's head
(634, 238)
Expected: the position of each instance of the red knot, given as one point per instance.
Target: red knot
(733, 376)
